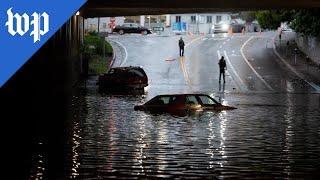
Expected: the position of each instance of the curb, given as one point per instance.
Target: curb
(125, 51)
(113, 56)
(294, 70)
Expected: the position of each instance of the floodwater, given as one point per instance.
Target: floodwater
(268, 136)
(271, 134)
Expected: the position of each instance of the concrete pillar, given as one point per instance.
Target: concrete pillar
(168, 23)
(142, 19)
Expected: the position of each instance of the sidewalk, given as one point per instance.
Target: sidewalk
(297, 61)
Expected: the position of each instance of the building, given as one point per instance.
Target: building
(197, 23)
(104, 24)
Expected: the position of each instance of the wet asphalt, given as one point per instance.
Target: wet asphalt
(252, 65)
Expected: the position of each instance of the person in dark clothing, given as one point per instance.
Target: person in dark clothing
(181, 47)
(223, 67)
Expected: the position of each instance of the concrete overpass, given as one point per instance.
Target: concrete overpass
(96, 8)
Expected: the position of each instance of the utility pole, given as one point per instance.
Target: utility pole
(149, 17)
(295, 56)
(98, 24)
(197, 21)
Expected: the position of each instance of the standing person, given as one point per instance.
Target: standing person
(223, 67)
(181, 47)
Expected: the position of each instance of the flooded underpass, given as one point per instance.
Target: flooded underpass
(271, 134)
(268, 136)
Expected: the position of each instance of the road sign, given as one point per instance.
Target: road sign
(158, 28)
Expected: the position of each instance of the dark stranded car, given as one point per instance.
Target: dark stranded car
(123, 78)
(131, 28)
(182, 103)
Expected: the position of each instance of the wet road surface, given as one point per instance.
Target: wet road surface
(274, 133)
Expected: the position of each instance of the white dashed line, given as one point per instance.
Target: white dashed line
(235, 72)
(255, 72)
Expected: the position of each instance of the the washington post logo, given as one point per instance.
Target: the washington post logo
(21, 24)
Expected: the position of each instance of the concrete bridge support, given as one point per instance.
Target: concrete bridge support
(37, 99)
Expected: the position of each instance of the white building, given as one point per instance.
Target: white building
(199, 23)
(91, 24)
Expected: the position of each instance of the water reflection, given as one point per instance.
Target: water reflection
(38, 163)
(264, 140)
(211, 144)
(141, 145)
(223, 121)
(111, 129)
(75, 150)
(289, 133)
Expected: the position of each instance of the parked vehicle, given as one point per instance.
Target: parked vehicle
(182, 103)
(131, 28)
(285, 27)
(123, 78)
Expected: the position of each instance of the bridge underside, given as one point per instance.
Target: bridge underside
(103, 8)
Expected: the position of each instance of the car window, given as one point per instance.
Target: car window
(111, 71)
(161, 100)
(135, 25)
(135, 73)
(165, 100)
(191, 100)
(126, 25)
(207, 100)
(173, 100)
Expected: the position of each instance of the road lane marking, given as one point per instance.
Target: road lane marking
(227, 72)
(219, 55)
(182, 64)
(125, 50)
(217, 39)
(170, 59)
(314, 86)
(184, 72)
(235, 72)
(252, 68)
(189, 43)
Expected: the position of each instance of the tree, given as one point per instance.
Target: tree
(268, 19)
(307, 22)
(248, 16)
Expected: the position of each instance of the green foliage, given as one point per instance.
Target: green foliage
(248, 16)
(268, 19)
(94, 45)
(307, 22)
(99, 57)
(98, 65)
(109, 49)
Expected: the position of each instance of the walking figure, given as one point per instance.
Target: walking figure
(181, 47)
(280, 36)
(223, 67)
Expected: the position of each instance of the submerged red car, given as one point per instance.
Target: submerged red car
(124, 78)
(182, 102)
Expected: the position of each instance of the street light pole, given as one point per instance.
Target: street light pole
(295, 56)
(197, 21)
(149, 17)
